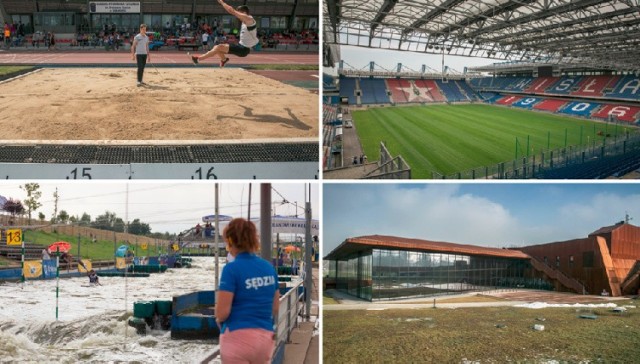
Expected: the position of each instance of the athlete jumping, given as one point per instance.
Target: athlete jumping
(248, 37)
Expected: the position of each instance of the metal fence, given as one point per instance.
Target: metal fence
(535, 165)
(291, 306)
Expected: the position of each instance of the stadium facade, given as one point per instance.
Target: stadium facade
(385, 267)
(73, 16)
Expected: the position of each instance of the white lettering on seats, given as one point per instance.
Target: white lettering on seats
(630, 85)
(619, 111)
(587, 87)
(580, 107)
(565, 84)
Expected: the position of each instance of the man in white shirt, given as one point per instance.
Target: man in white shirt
(248, 37)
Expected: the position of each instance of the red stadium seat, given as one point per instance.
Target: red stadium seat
(595, 85)
(552, 105)
(626, 113)
(508, 100)
(540, 84)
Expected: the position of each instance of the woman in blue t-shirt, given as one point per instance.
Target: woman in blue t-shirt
(247, 300)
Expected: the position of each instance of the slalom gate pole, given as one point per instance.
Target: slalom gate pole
(22, 265)
(57, 278)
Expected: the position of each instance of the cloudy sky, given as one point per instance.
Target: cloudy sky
(493, 214)
(171, 207)
(359, 57)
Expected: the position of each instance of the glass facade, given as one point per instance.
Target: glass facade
(386, 274)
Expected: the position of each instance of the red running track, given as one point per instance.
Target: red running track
(162, 57)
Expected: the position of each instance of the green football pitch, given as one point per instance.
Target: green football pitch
(455, 138)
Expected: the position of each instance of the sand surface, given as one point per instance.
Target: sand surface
(199, 103)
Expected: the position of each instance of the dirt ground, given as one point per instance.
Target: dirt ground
(199, 103)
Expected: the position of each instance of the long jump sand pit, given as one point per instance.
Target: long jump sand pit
(199, 103)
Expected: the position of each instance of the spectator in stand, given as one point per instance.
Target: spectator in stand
(205, 41)
(198, 229)
(7, 34)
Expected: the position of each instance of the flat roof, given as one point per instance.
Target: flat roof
(353, 245)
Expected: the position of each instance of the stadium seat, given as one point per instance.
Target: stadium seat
(630, 114)
(396, 87)
(348, 89)
(551, 105)
(594, 86)
(564, 85)
(580, 108)
(508, 100)
(628, 87)
(374, 91)
(451, 91)
(403, 90)
(540, 84)
(432, 88)
(526, 102)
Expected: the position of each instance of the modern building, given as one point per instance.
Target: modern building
(608, 260)
(386, 267)
(73, 16)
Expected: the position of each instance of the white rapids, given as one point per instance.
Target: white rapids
(92, 322)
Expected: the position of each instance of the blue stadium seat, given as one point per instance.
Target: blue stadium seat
(565, 85)
(374, 91)
(628, 87)
(527, 102)
(348, 89)
(580, 108)
(451, 91)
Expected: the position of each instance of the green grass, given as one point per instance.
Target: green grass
(449, 336)
(100, 250)
(455, 138)
(10, 70)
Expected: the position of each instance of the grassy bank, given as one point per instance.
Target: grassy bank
(100, 250)
(449, 336)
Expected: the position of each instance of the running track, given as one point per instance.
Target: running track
(80, 58)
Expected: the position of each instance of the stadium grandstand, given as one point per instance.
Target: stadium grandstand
(283, 24)
(564, 74)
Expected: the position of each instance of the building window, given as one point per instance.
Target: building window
(587, 260)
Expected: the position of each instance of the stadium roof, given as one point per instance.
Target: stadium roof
(599, 33)
(352, 245)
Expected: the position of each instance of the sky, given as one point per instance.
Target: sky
(359, 58)
(172, 207)
(494, 215)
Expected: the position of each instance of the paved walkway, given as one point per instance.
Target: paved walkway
(511, 298)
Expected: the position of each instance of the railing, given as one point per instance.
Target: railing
(291, 306)
(558, 276)
(535, 166)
